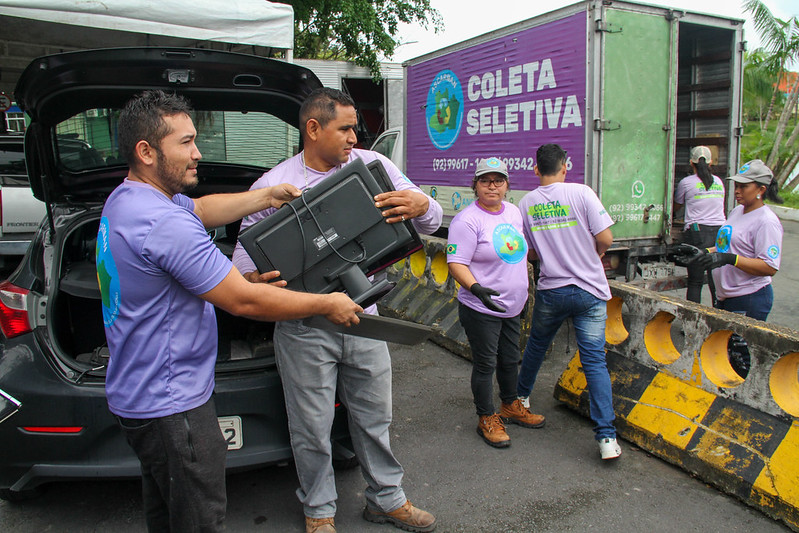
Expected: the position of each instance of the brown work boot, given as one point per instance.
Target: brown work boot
(517, 413)
(492, 430)
(319, 525)
(407, 517)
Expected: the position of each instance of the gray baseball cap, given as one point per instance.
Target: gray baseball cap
(753, 171)
(492, 164)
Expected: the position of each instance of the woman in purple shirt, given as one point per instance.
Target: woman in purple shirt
(486, 254)
(749, 246)
(702, 193)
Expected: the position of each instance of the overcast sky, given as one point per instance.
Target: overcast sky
(464, 19)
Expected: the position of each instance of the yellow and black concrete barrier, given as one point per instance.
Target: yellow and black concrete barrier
(426, 294)
(678, 393)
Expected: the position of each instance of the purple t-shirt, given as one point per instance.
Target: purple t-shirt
(560, 221)
(295, 172)
(703, 206)
(757, 234)
(153, 258)
(492, 245)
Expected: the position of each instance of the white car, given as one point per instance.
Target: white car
(391, 144)
(20, 212)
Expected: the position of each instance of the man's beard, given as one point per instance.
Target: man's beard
(173, 177)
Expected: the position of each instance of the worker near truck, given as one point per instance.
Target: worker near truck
(160, 324)
(568, 230)
(702, 194)
(315, 364)
(748, 246)
(486, 254)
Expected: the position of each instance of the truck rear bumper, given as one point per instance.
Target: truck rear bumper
(15, 243)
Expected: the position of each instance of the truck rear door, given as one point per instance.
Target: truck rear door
(634, 134)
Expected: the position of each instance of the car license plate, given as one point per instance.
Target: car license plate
(231, 430)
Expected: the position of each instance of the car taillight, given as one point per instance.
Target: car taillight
(53, 429)
(13, 310)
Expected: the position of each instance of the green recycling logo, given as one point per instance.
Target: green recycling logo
(444, 110)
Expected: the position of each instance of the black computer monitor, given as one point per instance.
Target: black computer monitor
(333, 237)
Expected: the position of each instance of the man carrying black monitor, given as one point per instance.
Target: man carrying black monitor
(314, 364)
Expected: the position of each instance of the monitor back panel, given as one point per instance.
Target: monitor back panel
(333, 225)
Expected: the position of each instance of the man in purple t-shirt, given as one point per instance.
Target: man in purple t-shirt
(568, 230)
(160, 277)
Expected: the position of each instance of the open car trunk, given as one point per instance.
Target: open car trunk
(246, 112)
(76, 320)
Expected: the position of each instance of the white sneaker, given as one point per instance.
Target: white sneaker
(525, 401)
(609, 448)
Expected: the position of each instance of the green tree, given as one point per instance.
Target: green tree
(781, 39)
(356, 30)
(759, 95)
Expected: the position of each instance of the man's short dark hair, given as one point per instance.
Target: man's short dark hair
(550, 158)
(143, 119)
(321, 106)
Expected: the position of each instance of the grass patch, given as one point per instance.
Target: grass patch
(791, 199)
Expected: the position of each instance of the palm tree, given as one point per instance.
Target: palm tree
(781, 39)
(759, 90)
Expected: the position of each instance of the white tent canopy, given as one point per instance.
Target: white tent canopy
(250, 22)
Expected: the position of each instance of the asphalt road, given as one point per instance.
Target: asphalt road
(550, 479)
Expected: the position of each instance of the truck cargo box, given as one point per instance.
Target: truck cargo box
(625, 88)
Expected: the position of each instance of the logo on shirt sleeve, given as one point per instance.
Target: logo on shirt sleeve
(774, 251)
(107, 275)
(451, 249)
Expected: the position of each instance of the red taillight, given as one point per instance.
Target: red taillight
(53, 429)
(13, 310)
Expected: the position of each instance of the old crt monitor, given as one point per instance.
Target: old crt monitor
(333, 237)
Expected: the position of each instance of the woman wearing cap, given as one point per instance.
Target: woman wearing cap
(749, 246)
(487, 255)
(702, 193)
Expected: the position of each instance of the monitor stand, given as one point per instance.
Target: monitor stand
(362, 291)
(365, 293)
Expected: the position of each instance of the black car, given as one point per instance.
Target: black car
(54, 420)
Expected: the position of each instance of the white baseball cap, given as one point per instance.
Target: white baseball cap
(698, 152)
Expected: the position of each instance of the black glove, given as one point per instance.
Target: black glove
(716, 259)
(485, 294)
(685, 254)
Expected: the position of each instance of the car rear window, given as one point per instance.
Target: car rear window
(89, 140)
(12, 160)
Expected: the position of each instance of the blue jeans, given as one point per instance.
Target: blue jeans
(756, 305)
(588, 313)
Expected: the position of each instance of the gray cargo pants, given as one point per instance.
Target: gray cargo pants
(313, 364)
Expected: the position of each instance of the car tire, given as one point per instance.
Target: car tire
(14, 496)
